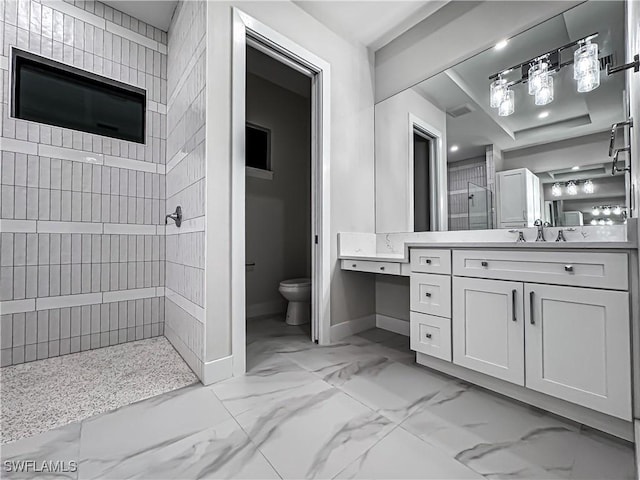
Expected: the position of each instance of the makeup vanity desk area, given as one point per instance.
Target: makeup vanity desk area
(552, 324)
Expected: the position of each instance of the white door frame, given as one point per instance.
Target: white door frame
(246, 26)
(438, 173)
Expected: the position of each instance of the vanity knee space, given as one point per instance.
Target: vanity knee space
(521, 317)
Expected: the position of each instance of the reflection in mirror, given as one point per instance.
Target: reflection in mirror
(548, 159)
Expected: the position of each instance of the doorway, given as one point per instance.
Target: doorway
(422, 177)
(247, 31)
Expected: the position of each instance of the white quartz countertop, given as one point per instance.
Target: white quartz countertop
(394, 247)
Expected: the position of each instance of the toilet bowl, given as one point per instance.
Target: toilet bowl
(298, 292)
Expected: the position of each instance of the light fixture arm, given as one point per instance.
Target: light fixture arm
(614, 165)
(635, 64)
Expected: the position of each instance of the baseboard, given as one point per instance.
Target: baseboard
(266, 308)
(393, 324)
(217, 370)
(351, 327)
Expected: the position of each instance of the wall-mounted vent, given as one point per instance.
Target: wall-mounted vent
(461, 110)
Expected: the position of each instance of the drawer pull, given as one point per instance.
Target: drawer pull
(428, 261)
(568, 268)
(531, 299)
(484, 263)
(381, 268)
(428, 335)
(427, 294)
(513, 304)
(354, 265)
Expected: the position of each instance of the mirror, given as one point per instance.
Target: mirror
(483, 170)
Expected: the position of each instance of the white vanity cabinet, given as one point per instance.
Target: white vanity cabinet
(488, 328)
(578, 346)
(519, 199)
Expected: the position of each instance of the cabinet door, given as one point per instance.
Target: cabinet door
(578, 346)
(512, 197)
(488, 330)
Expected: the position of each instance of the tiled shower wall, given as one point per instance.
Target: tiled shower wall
(185, 302)
(82, 216)
(459, 175)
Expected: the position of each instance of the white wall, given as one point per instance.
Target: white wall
(393, 162)
(452, 34)
(351, 168)
(278, 211)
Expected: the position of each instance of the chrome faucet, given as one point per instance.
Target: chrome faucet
(540, 224)
(561, 236)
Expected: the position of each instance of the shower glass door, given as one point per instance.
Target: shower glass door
(480, 207)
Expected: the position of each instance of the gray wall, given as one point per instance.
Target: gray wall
(278, 211)
(186, 183)
(82, 244)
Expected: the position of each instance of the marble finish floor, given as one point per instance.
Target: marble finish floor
(357, 409)
(42, 395)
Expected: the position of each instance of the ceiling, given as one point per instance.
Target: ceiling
(370, 23)
(571, 114)
(154, 12)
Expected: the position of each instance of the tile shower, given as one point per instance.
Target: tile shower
(82, 216)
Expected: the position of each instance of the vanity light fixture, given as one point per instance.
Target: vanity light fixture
(537, 74)
(588, 187)
(595, 211)
(606, 211)
(594, 222)
(454, 148)
(556, 190)
(609, 222)
(543, 114)
(572, 188)
(601, 221)
(501, 44)
(617, 210)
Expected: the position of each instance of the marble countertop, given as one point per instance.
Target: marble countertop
(404, 257)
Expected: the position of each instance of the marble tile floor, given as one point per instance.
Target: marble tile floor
(38, 396)
(357, 409)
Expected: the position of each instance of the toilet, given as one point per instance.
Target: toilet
(298, 293)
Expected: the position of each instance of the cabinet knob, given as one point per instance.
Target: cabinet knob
(354, 265)
(428, 335)
(427, 294)
(381, 268)
(428, 261)
(484, 263)
(568, 268)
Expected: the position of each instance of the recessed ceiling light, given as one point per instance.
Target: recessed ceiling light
(501, 44)
(543, 114)
(454, 148)
(577, 167)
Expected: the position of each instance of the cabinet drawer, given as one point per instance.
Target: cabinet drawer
(431, 335)
(427, 260)
(585, 269)
(388, 268)
(431, 294)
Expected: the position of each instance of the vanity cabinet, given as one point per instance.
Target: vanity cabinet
(578, 346)
(488, 328)
(519, 198)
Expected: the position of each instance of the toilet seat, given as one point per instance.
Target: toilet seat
(296, 282)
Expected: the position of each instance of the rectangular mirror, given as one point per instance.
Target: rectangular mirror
(452, 153)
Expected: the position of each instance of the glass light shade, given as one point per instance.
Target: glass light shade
(585, 60)
(508, 104)
(544, 95)
(609, 222)
(588, 187)
(617, 210)
(538, 76)
(572, 188)
(606, 211)
(594, 222)
(588, 82)
(498, 89)
(595, 211)
(601, 221)
(556, 190)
